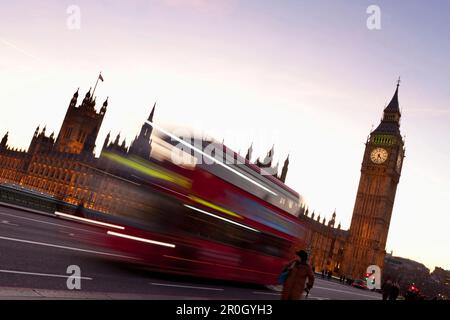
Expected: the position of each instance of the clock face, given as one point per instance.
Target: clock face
(378, 155)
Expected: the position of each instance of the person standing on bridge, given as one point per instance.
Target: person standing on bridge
(295, 283)
(386, 288)
(329, 274)
(394, 291)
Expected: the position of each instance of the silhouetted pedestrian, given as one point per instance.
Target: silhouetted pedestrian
(395, 291)
(386, 289)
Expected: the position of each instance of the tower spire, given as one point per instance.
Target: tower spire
(248, 156)
(105, 144)
(390, 123)
(104, 106)
(393, 106)
(150, 117)
(73, 101)
(4, 141)
(272, 150)
(285, 169)
(116, 142)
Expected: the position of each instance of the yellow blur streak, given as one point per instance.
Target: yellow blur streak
(216, 207)
(149, 169)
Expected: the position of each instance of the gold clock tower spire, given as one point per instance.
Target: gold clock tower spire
(380, 173)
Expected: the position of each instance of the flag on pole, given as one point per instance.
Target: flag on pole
(100, 77)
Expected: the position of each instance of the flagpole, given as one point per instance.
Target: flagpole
(98, 78)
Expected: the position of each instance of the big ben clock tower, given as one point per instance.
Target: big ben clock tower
(380, 173)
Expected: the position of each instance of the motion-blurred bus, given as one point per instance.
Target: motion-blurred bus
(194, 214)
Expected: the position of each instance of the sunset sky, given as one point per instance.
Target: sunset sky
(307, 76)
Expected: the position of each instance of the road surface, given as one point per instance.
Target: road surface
(36, 250)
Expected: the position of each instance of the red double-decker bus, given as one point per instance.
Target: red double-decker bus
(216, 219)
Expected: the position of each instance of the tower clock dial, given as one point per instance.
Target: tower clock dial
(378, 155)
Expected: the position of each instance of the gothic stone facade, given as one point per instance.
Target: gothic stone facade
(66, 167)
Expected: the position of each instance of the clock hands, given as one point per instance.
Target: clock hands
(379, 155)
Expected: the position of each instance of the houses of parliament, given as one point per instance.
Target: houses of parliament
(65, 167)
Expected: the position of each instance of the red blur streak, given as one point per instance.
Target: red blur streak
(216, 260)
(206, 258)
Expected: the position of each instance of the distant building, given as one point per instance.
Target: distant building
(408, 272)
(441, 276)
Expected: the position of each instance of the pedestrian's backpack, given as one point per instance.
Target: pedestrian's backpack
(283, 276)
